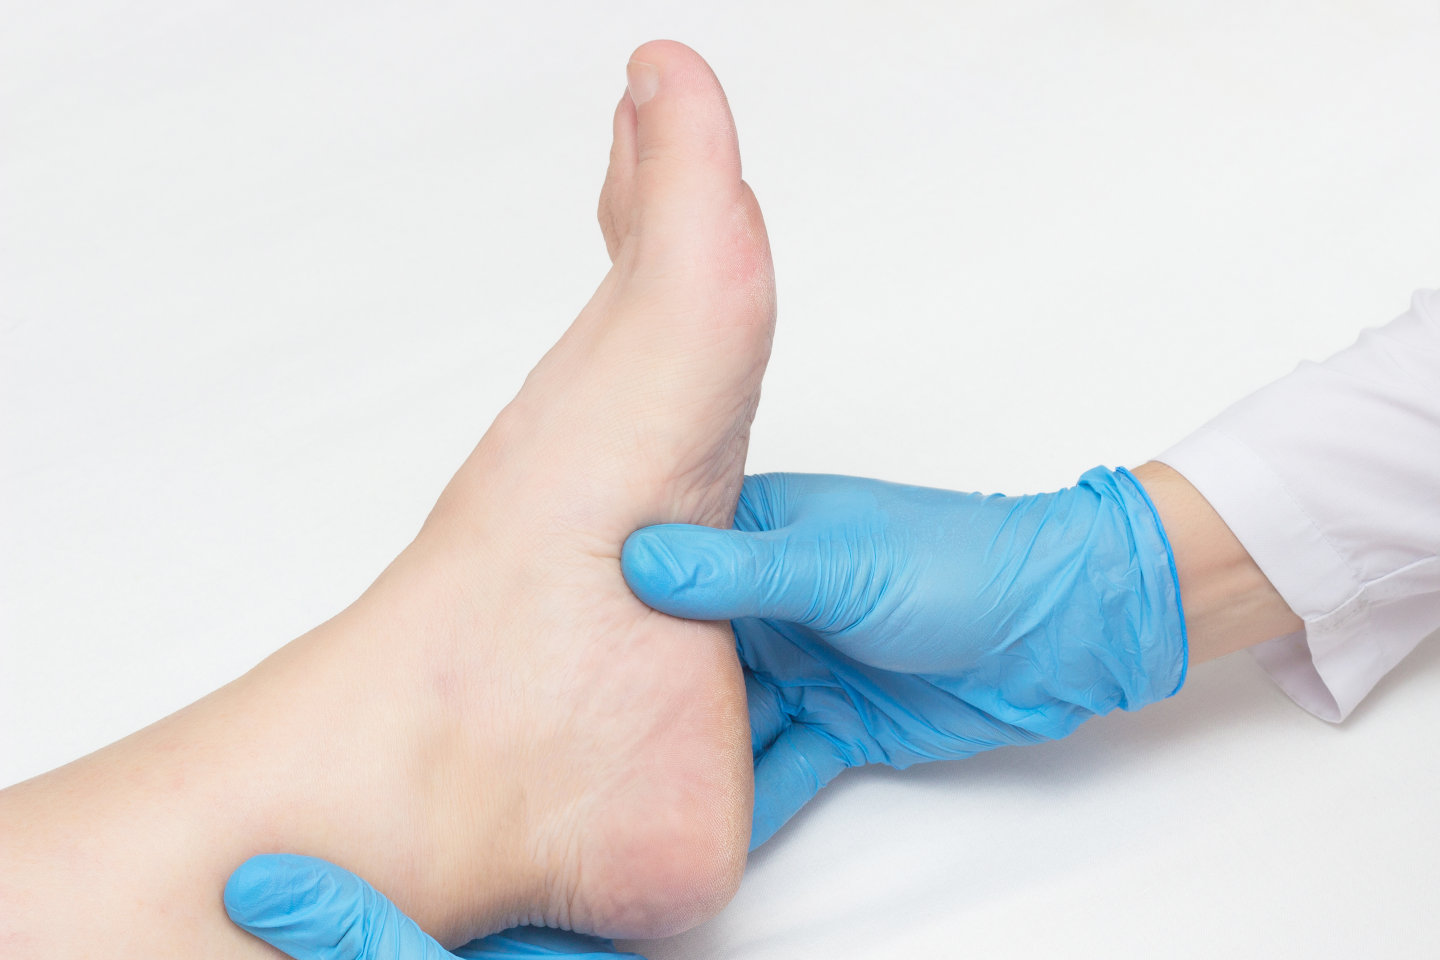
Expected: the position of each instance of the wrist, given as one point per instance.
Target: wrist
(1229, 604)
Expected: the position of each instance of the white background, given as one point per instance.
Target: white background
(268, 271)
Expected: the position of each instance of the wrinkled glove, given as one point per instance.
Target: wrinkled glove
(314, 910)
(881, 623)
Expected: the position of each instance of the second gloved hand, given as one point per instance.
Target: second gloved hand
(881, 623)
(314, 910)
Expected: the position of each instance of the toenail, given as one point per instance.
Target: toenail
(644, 80)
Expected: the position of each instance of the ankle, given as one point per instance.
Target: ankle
(416, 753)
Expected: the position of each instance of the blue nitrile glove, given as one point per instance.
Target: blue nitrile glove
(881, 623)
(314, 910)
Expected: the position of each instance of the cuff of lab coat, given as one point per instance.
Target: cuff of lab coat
(1326, 668)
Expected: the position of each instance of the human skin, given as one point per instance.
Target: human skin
(497, 731)
(1229, 604)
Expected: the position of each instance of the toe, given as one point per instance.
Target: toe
(687, 154)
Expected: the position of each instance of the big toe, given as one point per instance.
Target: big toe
(685, 136)
(686, 196)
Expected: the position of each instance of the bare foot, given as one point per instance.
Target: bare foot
(497, 732)
(625, 730)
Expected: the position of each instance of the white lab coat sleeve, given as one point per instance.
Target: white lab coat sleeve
(1330, 478)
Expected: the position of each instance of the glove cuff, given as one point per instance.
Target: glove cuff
(1160, 652)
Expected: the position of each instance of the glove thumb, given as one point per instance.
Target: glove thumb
(702, 573)
(314, 910)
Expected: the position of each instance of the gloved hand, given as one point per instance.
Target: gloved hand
(877, 623)
(881, 623)
(314, 910)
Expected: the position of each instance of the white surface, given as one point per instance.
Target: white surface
(269, 270)
(1330, 478)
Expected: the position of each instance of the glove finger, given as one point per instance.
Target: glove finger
(314, 910)
(701, 573)
(767, 717)
(797, 765)
(764, 502)
(525, 943)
